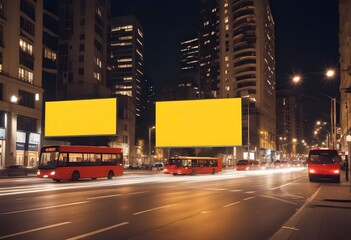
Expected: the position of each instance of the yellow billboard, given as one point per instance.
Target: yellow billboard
(93, 117)
(199, 123)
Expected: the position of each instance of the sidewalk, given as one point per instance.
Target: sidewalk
(325, 215)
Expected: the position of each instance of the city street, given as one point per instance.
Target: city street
(140, 205)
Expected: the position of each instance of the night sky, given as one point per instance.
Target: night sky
(306, 42)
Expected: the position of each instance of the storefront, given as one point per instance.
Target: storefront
(27, 149)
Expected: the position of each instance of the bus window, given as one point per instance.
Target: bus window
(119, 159)
(194, 163)
(108, 159)
(62, 161)
(48, 159)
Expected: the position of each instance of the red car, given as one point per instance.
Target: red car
(247, 164)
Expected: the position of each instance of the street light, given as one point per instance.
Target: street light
(150, 129)
(321, 127)
(330, 73)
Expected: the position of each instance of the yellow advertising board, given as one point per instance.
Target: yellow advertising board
(93, 117)
(199, 123)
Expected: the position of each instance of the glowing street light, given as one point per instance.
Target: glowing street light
(330, 73)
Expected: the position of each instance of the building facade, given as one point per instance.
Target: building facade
(127, 75)
(237, 59)
(21, 93)
(345, 72)
(290, 124)
(83, 49)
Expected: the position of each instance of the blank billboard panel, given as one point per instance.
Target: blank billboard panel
(93, 117)
(199, 123)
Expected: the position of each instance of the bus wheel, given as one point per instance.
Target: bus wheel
(94, 178)
(213, 171)
(56, 180)
(110, 175)
(193, 172)
(75, 176)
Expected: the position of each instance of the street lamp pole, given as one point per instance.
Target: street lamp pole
(150, 129)
(248, 128)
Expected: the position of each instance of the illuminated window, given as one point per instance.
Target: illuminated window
(26, 47)
(124, 60)
(226, 27)
(141, 55)
(125, 66)
(49, 54)
(97, 76)
(126, 38)
(126, 28)
(127, 78)
(97, 61)
(140, 33)
(226, 19)
(98, 11)
(25, 75)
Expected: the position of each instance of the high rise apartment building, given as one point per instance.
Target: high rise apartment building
(83, 66)
(237, 59)
(189, 55)
(50, 49)
(127, 52)
(21, 93)
(290, 125)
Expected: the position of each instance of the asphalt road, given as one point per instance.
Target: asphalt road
(229, 205)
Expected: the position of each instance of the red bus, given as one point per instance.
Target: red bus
(324, 163)
(182, 165)
(76, 162)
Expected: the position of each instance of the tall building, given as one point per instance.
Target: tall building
(208, 49)
(127, 52)
(50, 49)
(21, 93)
(83, 49)
(237, 59)
(290, 124)
(345, 71)
(189, 55)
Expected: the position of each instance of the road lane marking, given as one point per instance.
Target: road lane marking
(106, 196)
(44, 208)
(245, 199)
(116, 195)
(33, 230)
(98, 231)
(216, 189)
(237, 190)
(285, 184)
(231, 204)
(278, 199)
(290, 228)
(153, 209)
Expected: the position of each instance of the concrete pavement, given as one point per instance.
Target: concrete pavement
(325, 215)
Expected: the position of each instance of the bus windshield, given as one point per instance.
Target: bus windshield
(323, 156)
(48, 160)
